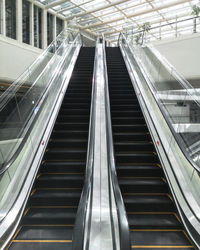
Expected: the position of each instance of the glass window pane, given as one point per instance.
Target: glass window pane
(11, 18)
(26, 21)
(59, 26)
(37, 27)
(49, 28)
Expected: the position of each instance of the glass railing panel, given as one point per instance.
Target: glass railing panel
(176, 97)
(12, 179)
(19, 111)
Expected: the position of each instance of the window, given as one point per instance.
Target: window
(49, 28)
(59, 26)
(11, 18)
(26, 21)
(37, 27)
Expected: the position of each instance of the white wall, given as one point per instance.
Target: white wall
(183, 53)
(15, 57)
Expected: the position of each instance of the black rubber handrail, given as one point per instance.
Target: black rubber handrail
(8, 164)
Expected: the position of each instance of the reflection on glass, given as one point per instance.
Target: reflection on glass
(26, 21)
(59, 26)
(49, 28)
(37, 27)
(11, 18)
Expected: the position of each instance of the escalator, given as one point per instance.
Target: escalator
(152, 215)
(49, 217)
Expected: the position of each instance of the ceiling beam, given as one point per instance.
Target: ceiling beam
(155, 22)
(97, 9)
(140, 13)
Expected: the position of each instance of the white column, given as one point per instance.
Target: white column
(54, 27)
(31, 24)
(65, 24)
(44, 29)
(19, 20)
(3, 16)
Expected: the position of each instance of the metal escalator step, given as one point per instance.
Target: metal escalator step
(39, 215)
(62, 166)
(47, 232)
(41, 245)
(59, 180)
(75, 111)
(130, 128)
(142, 185)
(154, 221)
(148, 202)
(159, 238)
(71, 125)
(128, 113)
(127, 120)
(136, 157)
(139, 170)
(63, 153)
(55, 197)
(81, 134)
(133, 146)
(73, 118)
(131, 137)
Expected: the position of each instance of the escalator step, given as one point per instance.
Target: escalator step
(48, 232)
(55, 197)
(41, 245)
(142, 185)
(148, 202)
(59, 180)
(139, 170)
(63, 166)
(159, 238)
(40, 215)
(154, 221)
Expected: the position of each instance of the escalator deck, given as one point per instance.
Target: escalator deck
(50, 214)
(153, 219)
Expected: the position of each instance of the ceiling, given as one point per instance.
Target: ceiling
(111, 16)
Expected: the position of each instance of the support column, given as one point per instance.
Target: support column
(19, 20)
(31, 24)
(44, 29)
(54, 27)
(65, 24)
(3, 17)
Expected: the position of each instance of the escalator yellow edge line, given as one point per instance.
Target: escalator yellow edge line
(25, 213)
(156, 230)
(152, 213)
(188, 237)
(53, 206)
(162, 247)
(59, 188)
(49, 225)
(29, 241)
(18, 230)
(162, 194)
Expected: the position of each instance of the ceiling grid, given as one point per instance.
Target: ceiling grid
(110, 16)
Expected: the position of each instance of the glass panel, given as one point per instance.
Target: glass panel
(26, 21)
(11, 18)
(49, 28)
(37, 27)
(59, 26)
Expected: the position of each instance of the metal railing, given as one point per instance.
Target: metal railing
(169, 30)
